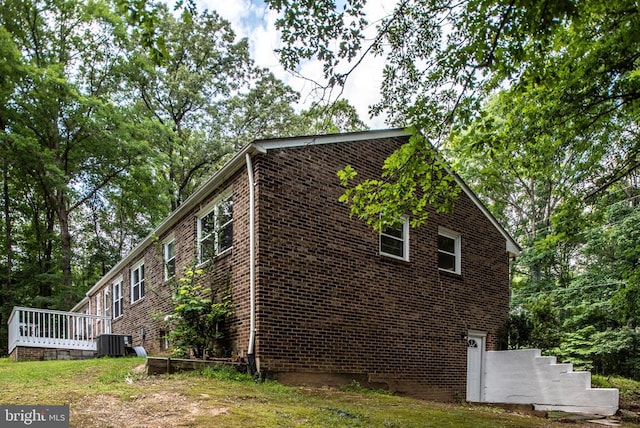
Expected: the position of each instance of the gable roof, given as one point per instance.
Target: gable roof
(262, 147)
(291, 142)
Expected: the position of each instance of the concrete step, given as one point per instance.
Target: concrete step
(524, 376)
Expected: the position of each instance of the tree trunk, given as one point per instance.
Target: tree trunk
(7, 224)
(65, 241)
(46, 263)
(7, 216)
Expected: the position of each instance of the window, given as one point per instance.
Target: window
(137, 282)
(107, 303)
(169, 255)
(99, 304)
(448, 251)
(394, 240)
(117, 298)
(215, 229)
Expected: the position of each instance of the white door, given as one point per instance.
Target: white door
(475, 350)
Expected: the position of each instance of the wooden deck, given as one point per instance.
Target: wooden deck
(54, 330)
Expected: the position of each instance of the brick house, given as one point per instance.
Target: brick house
(319, 297)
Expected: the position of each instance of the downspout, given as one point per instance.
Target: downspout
(252, 274)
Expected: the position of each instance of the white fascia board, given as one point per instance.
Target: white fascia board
(80, 303)
(512, 246)
(203, 191)
(312, 140)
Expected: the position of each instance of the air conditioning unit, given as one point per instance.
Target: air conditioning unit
(113, 345)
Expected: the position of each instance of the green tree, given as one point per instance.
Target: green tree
(612, 253)
(339, 116)
(533, 180)
(184, 94)
(263, 110)
(267, 111)
(67, 135)
(444, 59)
(10, 71)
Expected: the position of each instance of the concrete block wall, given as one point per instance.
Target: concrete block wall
(524, 376)
(26, 353)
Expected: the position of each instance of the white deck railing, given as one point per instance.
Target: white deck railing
(43, 328)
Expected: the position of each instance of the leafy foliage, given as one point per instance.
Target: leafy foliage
(196, 320)
(381, 202)
(111, 113)
(445, 61)
(64, 132)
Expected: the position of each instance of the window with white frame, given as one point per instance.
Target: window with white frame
(137, 282)
(99, 304)
(215, 228)
(107, 302)
(449, 250)
(169, 256)
(117, 298)
(394, 240)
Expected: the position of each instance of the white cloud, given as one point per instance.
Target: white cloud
(253, 20)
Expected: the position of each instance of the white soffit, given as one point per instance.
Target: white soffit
(312, 140)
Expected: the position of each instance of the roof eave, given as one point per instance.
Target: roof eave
(230, 168)
(512, 246)
(312, 140)
(262, 146)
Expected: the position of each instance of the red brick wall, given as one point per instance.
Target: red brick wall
(329, 304)
(229, 268)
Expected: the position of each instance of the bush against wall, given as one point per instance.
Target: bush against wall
(197, 320)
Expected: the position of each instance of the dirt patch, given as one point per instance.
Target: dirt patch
(157, 410)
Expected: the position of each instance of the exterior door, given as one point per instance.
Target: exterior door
(475, 351)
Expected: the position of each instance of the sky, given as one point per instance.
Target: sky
(255, 21)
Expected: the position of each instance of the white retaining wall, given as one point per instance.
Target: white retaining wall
(523, 376)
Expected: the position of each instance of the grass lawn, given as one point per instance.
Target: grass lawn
(116, 392)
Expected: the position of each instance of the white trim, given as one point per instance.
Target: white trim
(139, 284)
(211, 207)
(171, 239)
(457, 254)
(227, 192)
(118, 281)
(99, 302)
(312, 140)
(108, 307)
(477, 333)
(405, 241)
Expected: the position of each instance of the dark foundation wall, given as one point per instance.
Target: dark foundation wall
(330, 307)
(25, 353)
